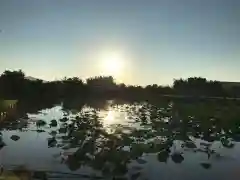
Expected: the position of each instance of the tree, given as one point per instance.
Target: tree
(12, 84)
(197, 86)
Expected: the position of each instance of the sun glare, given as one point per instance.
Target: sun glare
(112, 64)
(109, 119)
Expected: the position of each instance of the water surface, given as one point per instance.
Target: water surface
(164, 140)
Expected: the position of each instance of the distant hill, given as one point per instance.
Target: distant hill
(33, 79)
(228, 85)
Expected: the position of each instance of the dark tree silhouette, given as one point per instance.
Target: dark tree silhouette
(197, 86)
(14, 85)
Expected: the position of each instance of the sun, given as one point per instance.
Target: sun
(112, 63)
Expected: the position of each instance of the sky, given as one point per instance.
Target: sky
(150, 41)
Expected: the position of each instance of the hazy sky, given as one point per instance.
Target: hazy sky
(157, 40)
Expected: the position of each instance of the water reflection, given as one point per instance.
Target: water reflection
(128, 140)
(110, 118)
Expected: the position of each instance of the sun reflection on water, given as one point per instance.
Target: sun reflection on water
(110, 118)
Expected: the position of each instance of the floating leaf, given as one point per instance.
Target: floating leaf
(53, 133)
(15, 137)
(206, 165)
(163, 156)
(52, 142)
(2, 144)
(73, 163)
(41, 123)
(63, 130)
(190, 144)
(65, 138)
(227, 143)
(63, 119)
(177, 158)
(40, 131)
(53, 123)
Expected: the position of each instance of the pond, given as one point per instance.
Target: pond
(138, 140)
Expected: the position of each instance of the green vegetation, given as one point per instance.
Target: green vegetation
(14, 85)
(5, 104)
(40, 123)
(53, 123)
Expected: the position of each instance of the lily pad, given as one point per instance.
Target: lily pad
(206, 165)
(53, 123)
(40, 131)
(15, 137)
(163, 156)
(177, 158)
(190, 144)
(2, 144)
(227, 143)
(41, 123)
(52, 142)
(62, 130)
(63, 119)
(53, 133)
(73, 163)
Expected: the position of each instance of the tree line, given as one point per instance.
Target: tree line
(15, 85)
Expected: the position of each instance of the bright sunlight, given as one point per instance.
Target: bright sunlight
(112, 63)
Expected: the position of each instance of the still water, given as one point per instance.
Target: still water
(167, 140)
